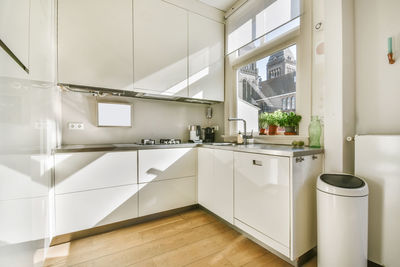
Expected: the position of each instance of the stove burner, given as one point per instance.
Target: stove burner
(170, 141)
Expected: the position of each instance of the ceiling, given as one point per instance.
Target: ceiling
(223, 5)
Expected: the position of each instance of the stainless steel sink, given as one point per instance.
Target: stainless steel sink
(223, 144)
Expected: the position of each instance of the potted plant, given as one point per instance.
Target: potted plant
(273, 120)
(262, 122)
(291, 122)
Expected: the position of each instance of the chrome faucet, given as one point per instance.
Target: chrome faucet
(245, 136)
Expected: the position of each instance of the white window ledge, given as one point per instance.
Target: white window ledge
(272, 139)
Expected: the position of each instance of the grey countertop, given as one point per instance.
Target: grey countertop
(268, 149)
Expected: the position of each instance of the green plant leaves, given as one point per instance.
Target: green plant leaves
(279, 118)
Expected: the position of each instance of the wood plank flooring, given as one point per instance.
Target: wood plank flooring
(192, 238)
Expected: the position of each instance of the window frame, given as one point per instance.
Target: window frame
(302, 38)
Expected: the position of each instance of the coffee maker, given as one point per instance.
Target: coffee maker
(209, 135)
(195, 134)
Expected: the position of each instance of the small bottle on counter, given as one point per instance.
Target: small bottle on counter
(239, 138)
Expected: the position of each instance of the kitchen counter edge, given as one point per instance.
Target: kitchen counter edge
(268, 149)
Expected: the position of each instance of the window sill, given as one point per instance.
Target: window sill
(279, 139)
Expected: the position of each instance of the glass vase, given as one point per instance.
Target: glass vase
(314, 132)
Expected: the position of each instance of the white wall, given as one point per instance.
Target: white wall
(339, 91)
(377, 82)
(151, 119)
(250, 114)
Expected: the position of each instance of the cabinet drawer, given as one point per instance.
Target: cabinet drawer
(262, 194)
(162, 164)
(166, 195)
(84, 210)
(92, 170)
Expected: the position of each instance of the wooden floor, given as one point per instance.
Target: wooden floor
(193, 238)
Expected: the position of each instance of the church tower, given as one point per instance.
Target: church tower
(280, 63)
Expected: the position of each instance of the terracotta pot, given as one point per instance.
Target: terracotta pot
(272, 129)
(290, 130)
(263, 131)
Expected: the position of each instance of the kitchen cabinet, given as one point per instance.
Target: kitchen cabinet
(14, 27)
(93, 170)
(215, 181)
(84, 210)
(206, 58)
(27, 28)
(95, 43)
(160, 48)
(94, 189)
(262, 194)
(167, 179)
(166, 195)
(275, 200)
(32, 183)
(22, 220)
(162, 164)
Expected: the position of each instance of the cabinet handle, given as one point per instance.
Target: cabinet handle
(257, 162)
(299, 159)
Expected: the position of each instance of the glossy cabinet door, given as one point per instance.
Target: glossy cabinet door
(93, 170)
(303, 203)
(215, 181)
(14, 27)
(88, 209)
(166, 195)
(206, 58)
(95, 43)
(23, 220)
(163, 164)
(160, 48)
(262, 194)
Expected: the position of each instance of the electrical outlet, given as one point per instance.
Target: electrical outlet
(76, 126)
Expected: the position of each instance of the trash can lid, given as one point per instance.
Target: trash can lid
(342, 184)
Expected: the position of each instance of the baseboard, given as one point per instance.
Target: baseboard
(114, 226)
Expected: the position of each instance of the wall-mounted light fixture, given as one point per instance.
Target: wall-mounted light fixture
(390, 51)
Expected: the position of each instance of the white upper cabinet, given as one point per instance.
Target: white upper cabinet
(206, 58)
(95, 43)
(160, 48)
(14, 27)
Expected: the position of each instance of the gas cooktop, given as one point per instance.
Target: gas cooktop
(166, 141)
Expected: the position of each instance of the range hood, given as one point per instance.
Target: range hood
(97, 91)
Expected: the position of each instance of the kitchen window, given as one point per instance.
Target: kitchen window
(270, 88)
(273, 58)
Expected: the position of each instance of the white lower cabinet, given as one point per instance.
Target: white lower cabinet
(81, 171)
(215, 181)
(162, 164)
(262, 194)
(22, 220)
(88, 209)
(275, 200)
(166, 195)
